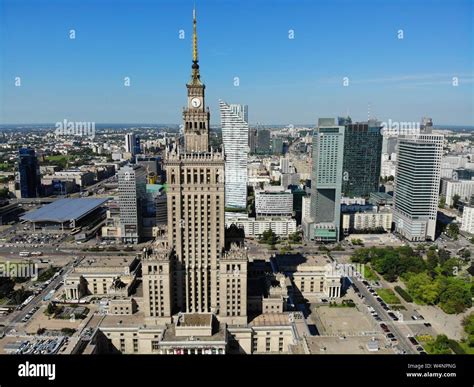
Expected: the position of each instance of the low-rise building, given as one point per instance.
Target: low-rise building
(102, 276)
(467, 223)
(254, 227)
(274, 201)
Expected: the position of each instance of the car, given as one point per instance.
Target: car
(427, 324)
(390, 335)
(419, 348)
(377, 318)
(413, 340)
(414, 317)
(420, 317)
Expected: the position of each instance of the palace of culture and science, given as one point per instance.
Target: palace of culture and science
(200, 293)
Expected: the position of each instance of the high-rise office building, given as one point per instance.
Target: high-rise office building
(252, 140)
(131, 141)
(132, 196)
(263, 141)
(362, 158)
(285, 165)
(277, 145)
(235, 130)
(29, 171)
(426, 125)
(417, 181)
(326, 179)
(137, 149)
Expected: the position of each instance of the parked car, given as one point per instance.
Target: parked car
(413, 340)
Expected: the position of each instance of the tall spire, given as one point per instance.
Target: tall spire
(195, 49)
(195, 73)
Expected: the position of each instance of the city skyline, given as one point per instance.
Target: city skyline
(403, 72)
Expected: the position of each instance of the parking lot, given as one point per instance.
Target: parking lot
(36, 345)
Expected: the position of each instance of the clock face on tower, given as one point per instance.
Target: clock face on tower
(195, 102)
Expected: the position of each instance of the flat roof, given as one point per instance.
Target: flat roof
(63, 210)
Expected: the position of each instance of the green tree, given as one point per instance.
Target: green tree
(441, 345)
(468, 324)
(455, 200)
(51, 309)
(295, 237)
(442, 201)
(443, 255)
(455, 296)
(269, 237)
(450, 267)
(453, 231)
(422, 288)
(431, 259)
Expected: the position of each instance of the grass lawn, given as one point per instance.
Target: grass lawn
(469, 350)
(388, 296)
(369, 274)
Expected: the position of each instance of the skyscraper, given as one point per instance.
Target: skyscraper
(252, 140)
(137, 149)
(132, 195)
(263, 141)
(328, 147)
(30, 178)
(362, 158)
(417, 182)
(131, 143)
(235, 131)
(277, 145)
(196, 225)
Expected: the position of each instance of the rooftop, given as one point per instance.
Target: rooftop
(64, 210)
(271, 319)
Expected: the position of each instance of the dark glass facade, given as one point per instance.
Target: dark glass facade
(362, 158)
(28, 167)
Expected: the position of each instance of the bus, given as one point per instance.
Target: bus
(24, 254)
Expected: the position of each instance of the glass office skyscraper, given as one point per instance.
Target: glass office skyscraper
(362, 158)
(30, 178)
(328, 147)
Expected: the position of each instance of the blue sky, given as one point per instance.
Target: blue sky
(284, 81)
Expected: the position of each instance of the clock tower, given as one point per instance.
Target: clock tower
(196, 116)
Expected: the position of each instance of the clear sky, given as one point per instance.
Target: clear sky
(283, 80)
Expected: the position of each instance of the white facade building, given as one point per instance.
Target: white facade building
(274, 201)
(370, 220)
(463, 188)
(235, 133)
(417, 182)
(468, 220)
(132, 193)
(255, 227)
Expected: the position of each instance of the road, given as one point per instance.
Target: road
(13, 320)
(399, 329)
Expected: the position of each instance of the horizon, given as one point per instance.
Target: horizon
(272, 58)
